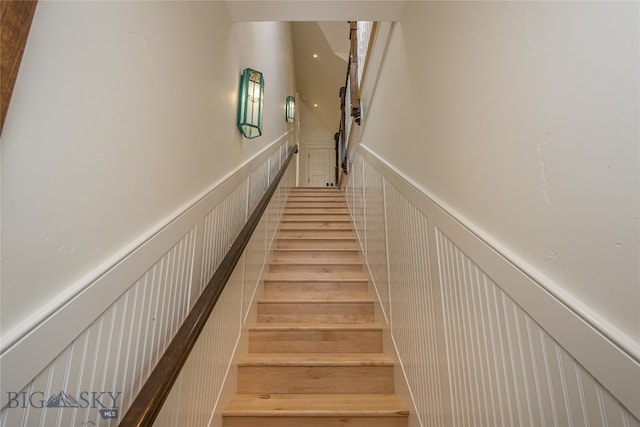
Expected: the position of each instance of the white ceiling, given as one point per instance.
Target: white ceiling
(315, 10)
(319, 79)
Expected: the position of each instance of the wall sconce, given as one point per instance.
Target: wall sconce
(290, 109)
(250, 103)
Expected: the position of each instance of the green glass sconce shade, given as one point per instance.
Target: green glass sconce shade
(251, 103)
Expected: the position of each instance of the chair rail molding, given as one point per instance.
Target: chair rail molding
(536, 341)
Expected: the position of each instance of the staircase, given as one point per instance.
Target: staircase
(315, 356)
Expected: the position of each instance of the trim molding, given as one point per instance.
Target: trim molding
(50, 330)
(610, 356)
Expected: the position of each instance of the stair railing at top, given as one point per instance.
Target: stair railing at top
(147, 405)
(361, 35)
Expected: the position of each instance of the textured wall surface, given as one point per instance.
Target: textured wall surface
(472, 354)
(121, 346)
(123, 115)
(522, 118)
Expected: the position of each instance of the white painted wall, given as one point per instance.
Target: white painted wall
(122, 115)
(522, 119)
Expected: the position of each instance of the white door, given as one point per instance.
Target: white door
(321, 167)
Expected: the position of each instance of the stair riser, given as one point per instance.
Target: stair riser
(316, 256)
(310, 268)
(315, 290)
(305, 199)
(316, 218)
(315, 192)
(315, 211)
(315, 244)
(310, 233)
(276, 421)
(315, 379)
(321, 225)
(292, 341)
(311, 202)
(321, 313)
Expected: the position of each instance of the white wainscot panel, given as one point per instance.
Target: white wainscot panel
(256, 254)
(375, 243)
(196, 398)
(221, 226)
(357, 171)
(195, 395)
(275, 161)
(272, 215)
(115, 354)
(258, 183)
(504, 369)
(412, 305)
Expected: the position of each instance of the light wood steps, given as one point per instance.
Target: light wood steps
(316, 234)
(267, 373)
(316, 243)
(303, 201)
(315, 356)
(316, 217)
(315, 225)
(316, 194)
(315, 338)
(320, 404)
(345, 276)
(296, 290)
(315, 410)
(315, 266)
(316, 255)
(316, 311)
(316, 211)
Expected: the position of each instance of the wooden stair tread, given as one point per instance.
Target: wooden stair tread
(315, 326)
(316, 225)
(303, 197)
(310, 212)
(304, 256)
(318, 238)
(318, 217)
(316, 405)
(315, 250)
(333, 218)
(295, 201)
(327, 203)
(317, 235)
(342, 276)
(317, 262)
(316, 253)
(316, 191)
(318, 301)
(315, 359)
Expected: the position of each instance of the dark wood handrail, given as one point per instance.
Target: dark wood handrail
(147, 405)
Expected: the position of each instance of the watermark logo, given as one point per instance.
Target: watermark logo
(62, 400)
(106, 402)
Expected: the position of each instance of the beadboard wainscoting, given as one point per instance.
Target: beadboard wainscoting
(98, 348)
(195, 398)
(480, 342)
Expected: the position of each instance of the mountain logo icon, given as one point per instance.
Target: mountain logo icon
(62, 400)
